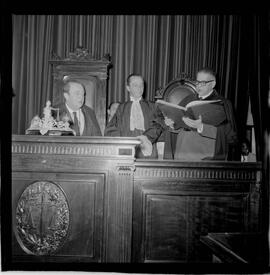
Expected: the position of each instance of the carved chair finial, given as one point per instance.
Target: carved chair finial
(80, 53)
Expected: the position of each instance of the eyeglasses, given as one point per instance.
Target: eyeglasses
(202, 83)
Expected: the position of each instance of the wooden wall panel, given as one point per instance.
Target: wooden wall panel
(94, 179)
(85, 198)
(166, 228)
(175, 205)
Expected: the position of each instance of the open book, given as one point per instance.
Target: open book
(210, 111)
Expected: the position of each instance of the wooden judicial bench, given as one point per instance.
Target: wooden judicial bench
(88, 200)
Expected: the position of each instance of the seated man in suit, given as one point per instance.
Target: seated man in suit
(198, 140)
(82, 118)
(133, 117)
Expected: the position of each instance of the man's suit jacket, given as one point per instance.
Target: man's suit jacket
(91, 126)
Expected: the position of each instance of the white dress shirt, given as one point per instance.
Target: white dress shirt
(80, 117)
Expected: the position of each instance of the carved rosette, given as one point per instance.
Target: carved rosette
(126, 170)
(42, 218)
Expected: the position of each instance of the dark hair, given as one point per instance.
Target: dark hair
(207, 70)
(66, 86)
(131, 75)
(247, 142)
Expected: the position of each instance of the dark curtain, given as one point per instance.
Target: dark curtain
(32, 43)
(160, 47)
(258, 75)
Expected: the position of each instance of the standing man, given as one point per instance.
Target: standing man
(198, 140)
(134, 116)
(82, 118)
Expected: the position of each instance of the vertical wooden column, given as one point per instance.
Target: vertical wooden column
(119, 215)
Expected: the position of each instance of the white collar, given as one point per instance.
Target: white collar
(135, 99)
(72, 111)
(205, 96)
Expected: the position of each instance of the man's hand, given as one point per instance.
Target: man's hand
(169, 122)
(146, 145)
(197, 124)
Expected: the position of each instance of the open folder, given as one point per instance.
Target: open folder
(210, 111)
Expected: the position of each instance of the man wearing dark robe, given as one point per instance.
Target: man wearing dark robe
(198, 140)
(133, 117)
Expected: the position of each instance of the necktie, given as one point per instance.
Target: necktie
(76, 124)
(136, 115)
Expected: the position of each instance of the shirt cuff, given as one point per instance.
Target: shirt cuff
(146, 145)
(199, 130)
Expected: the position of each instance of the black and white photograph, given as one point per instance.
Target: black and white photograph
(103, 171)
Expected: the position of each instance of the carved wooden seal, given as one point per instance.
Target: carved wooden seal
(42, 218)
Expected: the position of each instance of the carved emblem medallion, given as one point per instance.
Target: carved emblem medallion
(42, 218)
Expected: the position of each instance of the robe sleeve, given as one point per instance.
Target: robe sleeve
(96, 130)
(157, 126)
(113, 127)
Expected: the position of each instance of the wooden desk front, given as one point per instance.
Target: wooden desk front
(121, 209)
(177, 202)
(72, 198)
